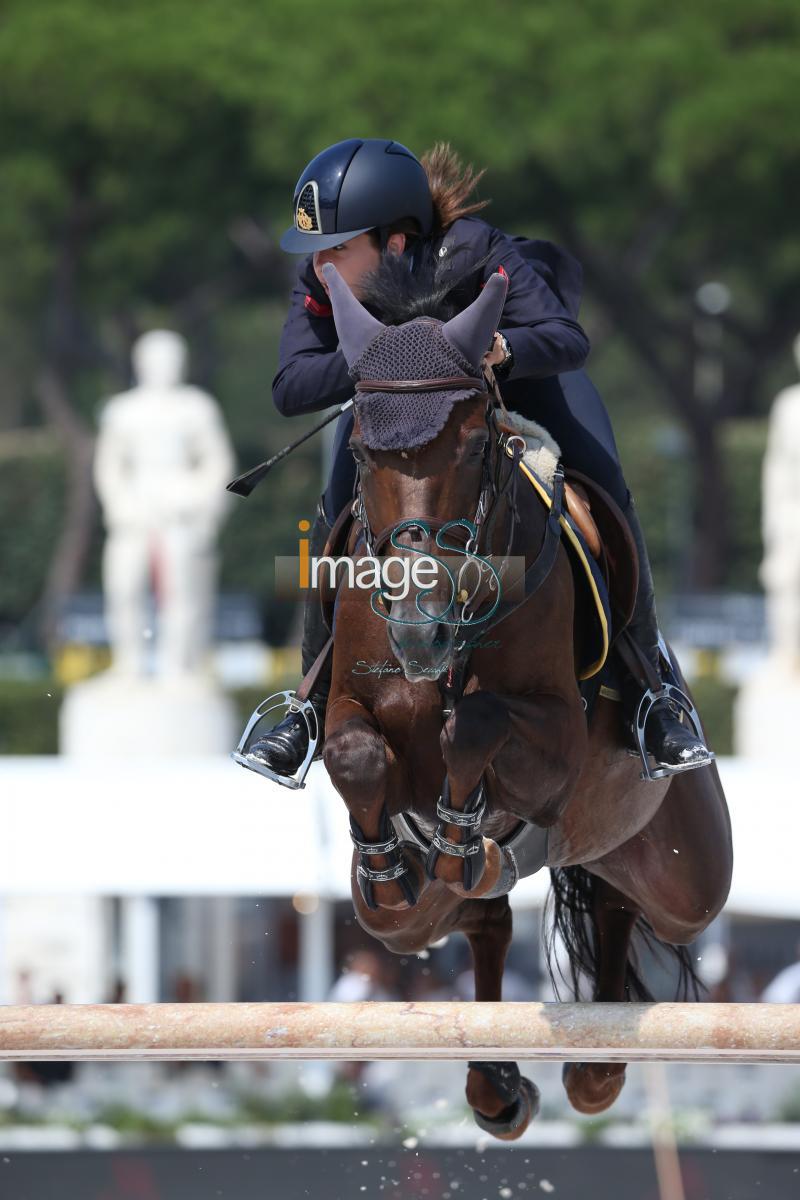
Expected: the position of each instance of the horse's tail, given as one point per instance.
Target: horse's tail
(571, 900)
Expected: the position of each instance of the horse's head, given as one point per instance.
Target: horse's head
(422, 442)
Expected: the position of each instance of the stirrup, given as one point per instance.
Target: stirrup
(668, 692)
(288, 701)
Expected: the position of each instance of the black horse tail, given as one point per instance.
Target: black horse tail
(571, 901)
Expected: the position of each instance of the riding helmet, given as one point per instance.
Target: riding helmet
(353, 186)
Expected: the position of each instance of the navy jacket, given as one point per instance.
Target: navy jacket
(538, 318)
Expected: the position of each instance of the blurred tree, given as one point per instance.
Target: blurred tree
(130, 184)
(142, 145)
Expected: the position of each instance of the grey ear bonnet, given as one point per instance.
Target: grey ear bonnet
(421, 349)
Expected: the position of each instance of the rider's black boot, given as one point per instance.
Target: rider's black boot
(284, 747)
(673, 744)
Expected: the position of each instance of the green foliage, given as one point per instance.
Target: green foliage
(789, 1109)
(714, 700)
(658, 466)
(163, 140)
(29, 711)
(29, 717)
(145, 149)
(744, 445)
(136, 1124)
(31, 502)
(339, 1104)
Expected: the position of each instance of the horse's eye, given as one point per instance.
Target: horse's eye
(358, 453)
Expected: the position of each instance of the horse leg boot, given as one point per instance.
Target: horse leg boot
(503, 1101)
(369, 777)
(672, 744)
(284, 747)
(459, 855)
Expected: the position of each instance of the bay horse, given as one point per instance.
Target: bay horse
(474, 742)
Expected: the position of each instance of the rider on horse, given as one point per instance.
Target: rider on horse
(361, 199)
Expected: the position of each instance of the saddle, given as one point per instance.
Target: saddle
(603, 532)
(607, 534)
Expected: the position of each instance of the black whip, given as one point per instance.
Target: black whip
(243, 485)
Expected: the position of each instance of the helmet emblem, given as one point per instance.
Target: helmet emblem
(306, 216)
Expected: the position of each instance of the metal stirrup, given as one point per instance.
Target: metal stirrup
(671, 694)
(292, 704)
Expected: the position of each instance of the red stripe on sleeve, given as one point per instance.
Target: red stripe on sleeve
(316, 309)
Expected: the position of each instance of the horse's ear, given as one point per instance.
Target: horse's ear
(471, 332)
(355, 326)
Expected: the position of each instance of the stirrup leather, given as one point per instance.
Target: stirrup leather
(651, 697)
(471, 850)
(288, 701)
(398, 868)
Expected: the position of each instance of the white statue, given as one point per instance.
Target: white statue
(780, 570)
(162, 461)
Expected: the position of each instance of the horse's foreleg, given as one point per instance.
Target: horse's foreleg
(535, 745)
(504, 1102)
(593, 1087)
(473, 734)
(366, 772)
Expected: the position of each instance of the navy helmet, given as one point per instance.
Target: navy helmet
(353, 186)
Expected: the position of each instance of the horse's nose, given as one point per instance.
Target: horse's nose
(425, 635)
(423, 649)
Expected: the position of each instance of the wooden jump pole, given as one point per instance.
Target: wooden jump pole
(702, 1033)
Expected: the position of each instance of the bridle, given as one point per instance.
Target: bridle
(494, 490)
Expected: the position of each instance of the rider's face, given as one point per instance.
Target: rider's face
(355, 259)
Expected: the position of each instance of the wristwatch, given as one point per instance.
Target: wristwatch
(503, 368)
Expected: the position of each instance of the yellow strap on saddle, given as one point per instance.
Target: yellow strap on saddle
(580, 554)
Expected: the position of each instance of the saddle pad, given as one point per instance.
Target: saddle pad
(598, 643)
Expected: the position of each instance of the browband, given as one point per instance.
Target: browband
(450, 383)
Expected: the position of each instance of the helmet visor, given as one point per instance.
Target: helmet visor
(297, 241)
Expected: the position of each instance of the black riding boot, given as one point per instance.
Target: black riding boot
(671, 743)
(284, 747)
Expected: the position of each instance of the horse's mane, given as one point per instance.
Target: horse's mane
(398, 293)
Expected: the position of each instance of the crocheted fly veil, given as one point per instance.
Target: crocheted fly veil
(421, 349)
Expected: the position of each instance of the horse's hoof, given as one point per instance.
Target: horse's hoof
(511, 1124)
(593, 1087)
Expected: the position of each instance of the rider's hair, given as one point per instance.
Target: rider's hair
(451, 184)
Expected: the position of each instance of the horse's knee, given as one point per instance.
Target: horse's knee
(477, 725)
(355, 759)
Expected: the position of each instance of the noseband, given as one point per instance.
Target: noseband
(448, 383)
